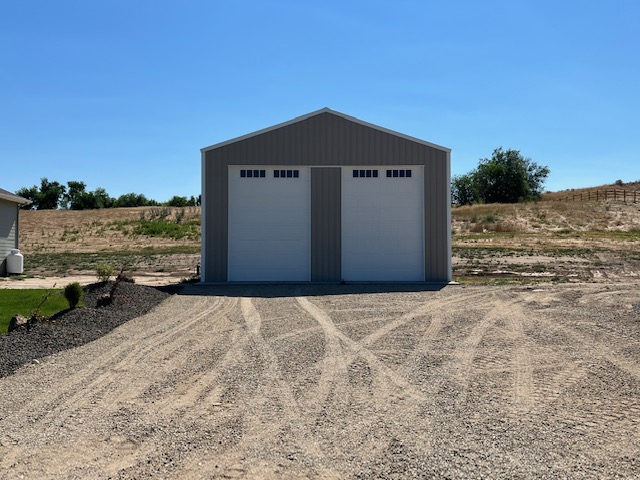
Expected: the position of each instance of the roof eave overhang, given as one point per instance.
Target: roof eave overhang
(15, 199)
(318, 112)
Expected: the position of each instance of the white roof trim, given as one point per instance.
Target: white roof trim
(14, 198)
(318, 112)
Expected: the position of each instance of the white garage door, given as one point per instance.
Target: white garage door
(382, 223)
(269, 224)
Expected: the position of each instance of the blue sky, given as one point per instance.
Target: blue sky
(123, 94)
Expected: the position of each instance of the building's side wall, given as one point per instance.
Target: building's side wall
(324, 140)
(8, 231)
(437, 223)
(326, 195)
(215, 224)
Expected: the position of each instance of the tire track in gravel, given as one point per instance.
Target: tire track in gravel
(431, 308)
(166, 356)
(292, 415)
(188, 396)
(549, 388)
(334, 371)
(118, 350)
(337, 359)
(466, 352)
(355, 349)
(593, 347)
(521, 366)
(92, 382)
(388, 390)
(46, 420)
(435, 313)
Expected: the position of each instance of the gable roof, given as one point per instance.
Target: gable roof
(319, 112)
(6, 195)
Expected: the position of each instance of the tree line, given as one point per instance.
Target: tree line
(506, 177)
(74, 196)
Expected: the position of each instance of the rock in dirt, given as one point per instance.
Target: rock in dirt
(18, 322)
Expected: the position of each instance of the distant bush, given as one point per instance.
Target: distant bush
(73, 293)
(134, 200)
(104, 271)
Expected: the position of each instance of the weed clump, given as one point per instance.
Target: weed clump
(105, 271)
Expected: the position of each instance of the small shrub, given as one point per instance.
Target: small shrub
(73, 293)
(104, 271)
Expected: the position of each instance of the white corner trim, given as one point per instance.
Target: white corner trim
(449, 239)
(203, 230)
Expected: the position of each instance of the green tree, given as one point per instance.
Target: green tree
(463, 190)
(51, 194)
(48, 196)
(177, 201)
(77, 198)
(134, 200)
(101, 199)
(30, 194)
(506, 177)
(74, 198)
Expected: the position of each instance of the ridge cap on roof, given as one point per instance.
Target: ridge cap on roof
(318, 112)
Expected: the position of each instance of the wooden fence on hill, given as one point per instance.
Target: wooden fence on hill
(622, 195)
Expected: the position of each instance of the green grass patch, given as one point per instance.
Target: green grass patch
(505, 232)
(167, 229)
(24, 301)
(159, 225)
(632, 235)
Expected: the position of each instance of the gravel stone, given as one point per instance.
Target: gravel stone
(366, 382)
(76, 327)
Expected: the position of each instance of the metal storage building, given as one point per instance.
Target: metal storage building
(326, 197)
(9, 225)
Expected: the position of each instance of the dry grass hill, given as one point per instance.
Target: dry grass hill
(550, 240)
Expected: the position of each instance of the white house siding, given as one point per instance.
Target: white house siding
(8, 231)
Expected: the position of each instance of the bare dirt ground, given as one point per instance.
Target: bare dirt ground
(152, 280)
(61, 243)
(80, 231)
(548, 240)
(342, 382)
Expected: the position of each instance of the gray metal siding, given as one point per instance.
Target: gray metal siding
(8, 231)
(216, 222)
(436, 229)
(326, 235)
(325, 140)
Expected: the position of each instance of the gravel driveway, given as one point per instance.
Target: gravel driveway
(341, 382)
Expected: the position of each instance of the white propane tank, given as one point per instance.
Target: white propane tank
(15, 262)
